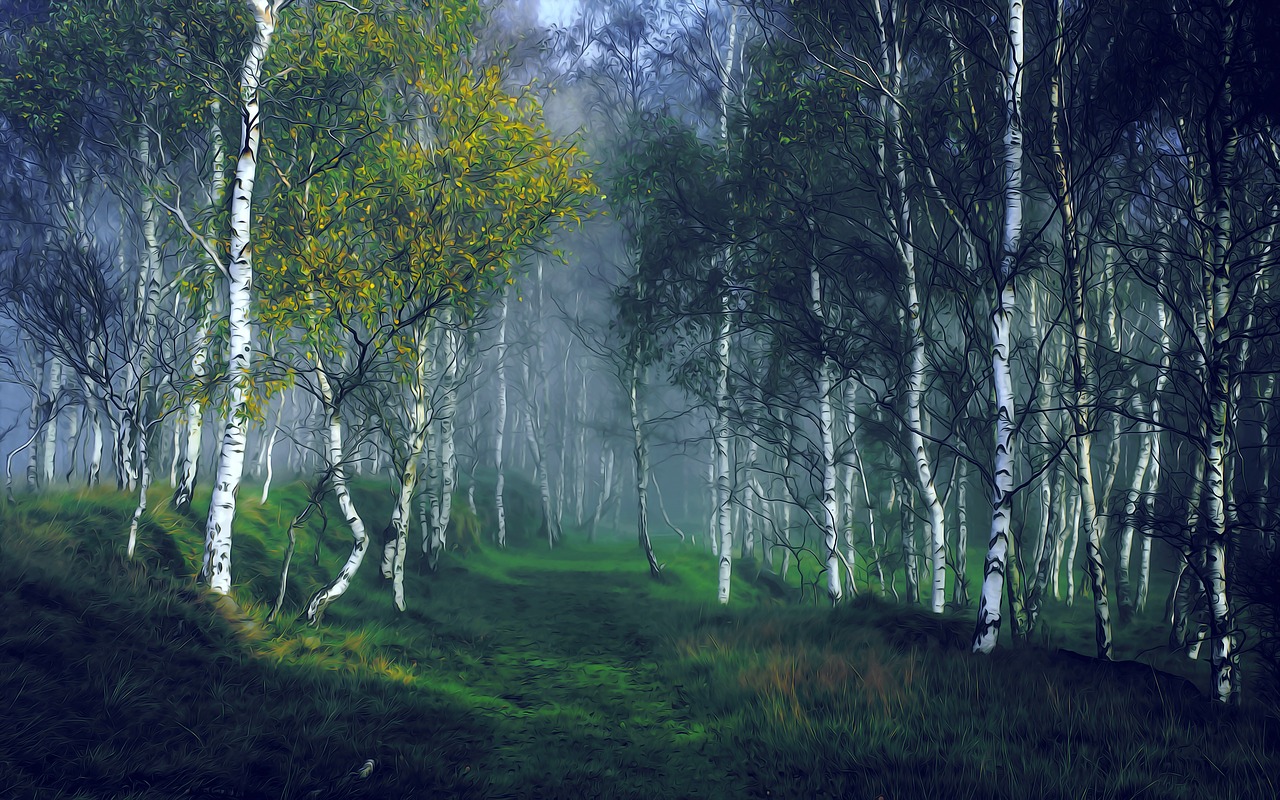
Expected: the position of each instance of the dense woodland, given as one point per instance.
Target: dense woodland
(828, 293)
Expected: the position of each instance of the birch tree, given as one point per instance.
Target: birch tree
(989, 617)
(215, 570)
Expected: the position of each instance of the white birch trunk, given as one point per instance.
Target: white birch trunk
(606, 489)
(642, 464)
(194, 416)
(846, 479)
(49, 448)
(1124, 595)
(96, 441)
(891, 152)
(826, 431)
(396, 535)
(448, 412)
(500, 422)
(723, 493)
(327, 594)
(216, 566)
(580, 476)
(269, 451)
(988, 624)
(724, 531)
(144, 483)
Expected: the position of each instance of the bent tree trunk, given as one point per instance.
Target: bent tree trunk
(331, 591)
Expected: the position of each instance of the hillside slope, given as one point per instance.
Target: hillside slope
(535, 674)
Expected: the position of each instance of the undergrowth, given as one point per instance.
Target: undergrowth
(536, 673)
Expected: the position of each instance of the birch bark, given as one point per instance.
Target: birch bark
(194, 416)
(216, 566)
(987, 629)
(336, 456)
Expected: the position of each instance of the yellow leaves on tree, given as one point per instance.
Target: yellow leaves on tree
(406, 176)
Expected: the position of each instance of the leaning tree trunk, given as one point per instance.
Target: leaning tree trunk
(606, 489)
(634, 384)
(396, 535)
(145, 339)
(331, 591)
(216, 564)
(893, 158)
(987, 629)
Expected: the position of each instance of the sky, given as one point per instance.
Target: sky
(556, 12)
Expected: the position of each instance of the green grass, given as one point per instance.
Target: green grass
(528, 673)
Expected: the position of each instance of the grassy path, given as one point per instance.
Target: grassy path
(528, 674)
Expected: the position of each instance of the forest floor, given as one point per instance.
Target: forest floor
(550, 674)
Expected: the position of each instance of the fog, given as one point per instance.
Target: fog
(835, 295)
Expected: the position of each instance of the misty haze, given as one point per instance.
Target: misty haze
(639, 399)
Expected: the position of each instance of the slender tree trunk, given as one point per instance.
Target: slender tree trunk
(49, 447)
(331, 591)
(269, 450)
(987, 629)
(144, 483)
(314, 498)
(396, 535)
(1083, 409)
(500, 423)
(580, 477)
(908, 524)
(1124, 597)
(634, 385)
(216, 566)
(194, 416)
(847, 478)
(724, 531)
(892, 157)
(960, 591)
(826, 431)
(606, 489)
